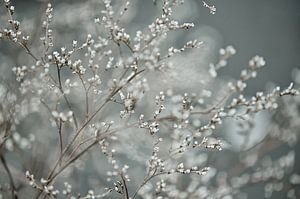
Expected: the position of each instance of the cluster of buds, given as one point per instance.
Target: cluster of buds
(173, 25)
(224, 55)
(20, 72)
(212, 8)
(160, 186)
(14, 34)
(43, 186)
(64, 117)
(181, 169)
(155, 162)
(68, 189)
(188, 45)
(119, 35)
(48, 38)
(159, 100)
(289, 91)
(152, 126)
(134, 93)
(255, 63)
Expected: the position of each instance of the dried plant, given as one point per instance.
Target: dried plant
(101, 110)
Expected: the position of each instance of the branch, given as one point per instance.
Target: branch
(12, 184)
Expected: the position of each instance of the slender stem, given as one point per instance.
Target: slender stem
(12, 184)
(85, 124)
(215, 107)
(146, 180)
(108, 99)
(28, 51)
(86, 90)
(126, 195)
(58, 124)
(64, 95)
(72, 160)
(46, 44)
(59, 78)
(60, 137)
(80, 144)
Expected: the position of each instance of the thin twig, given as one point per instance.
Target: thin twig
(59, 78)
(108, 99)
(64, 95)
(60, 137)
(214, 107)
(86, 90)
(28, 51)
(72, 160)
(126, 195)
(12, 184)
(146, 180)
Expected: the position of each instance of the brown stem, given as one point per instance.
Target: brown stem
(59, 78)
(12, 184)
(215, 107)
(126, 195)
(108, 99)
(86, 90)
(72, 160)
(64, 95)
(28, 51)
(60, 136)
(146, 180)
